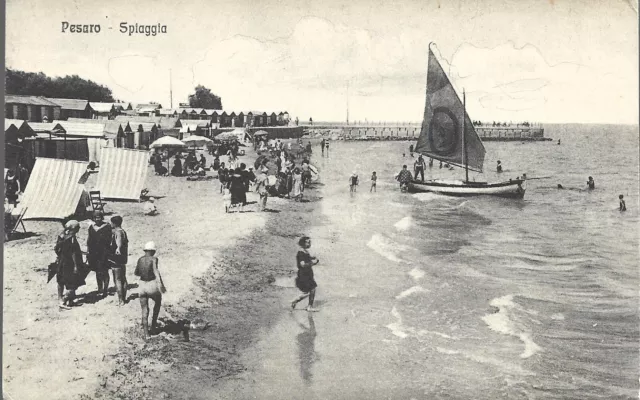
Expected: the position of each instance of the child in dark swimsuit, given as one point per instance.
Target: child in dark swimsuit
(305, 281)
(151, 286)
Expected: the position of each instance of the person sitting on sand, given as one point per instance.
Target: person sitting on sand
(623, 206)
(149, 207)
(199, 171)
(305, 281)
(177, 167)
(151, 287)
(202, 161)
(591, 183)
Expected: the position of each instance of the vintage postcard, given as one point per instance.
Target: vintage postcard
(321, 200)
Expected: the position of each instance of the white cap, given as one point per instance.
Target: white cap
(151, 246)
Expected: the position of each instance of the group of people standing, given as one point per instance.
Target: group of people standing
(107, 249)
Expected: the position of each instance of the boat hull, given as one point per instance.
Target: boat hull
(510, 189)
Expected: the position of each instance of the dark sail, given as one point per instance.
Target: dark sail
(441, 133)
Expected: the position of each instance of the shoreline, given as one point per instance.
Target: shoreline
(235, 295)
(96, 350)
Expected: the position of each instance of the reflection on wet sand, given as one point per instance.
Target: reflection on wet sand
(306, 349)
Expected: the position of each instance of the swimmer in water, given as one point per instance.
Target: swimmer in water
(623, 206)
(591, 183)
(499, 167)
(560, 186)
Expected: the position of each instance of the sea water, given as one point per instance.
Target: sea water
(426, 296)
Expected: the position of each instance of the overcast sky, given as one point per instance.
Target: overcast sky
(537, 60)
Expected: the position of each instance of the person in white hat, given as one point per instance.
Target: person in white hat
(149, 207)
(353, 181)
(151, 287)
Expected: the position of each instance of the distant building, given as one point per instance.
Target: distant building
(148, 110)
(30, 108)
(106, 110)
(73, 108)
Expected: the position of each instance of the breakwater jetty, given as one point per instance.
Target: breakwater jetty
(412, 131)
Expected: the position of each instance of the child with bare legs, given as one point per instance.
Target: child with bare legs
(305, 281)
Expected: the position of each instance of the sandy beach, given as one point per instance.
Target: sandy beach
(218, 269)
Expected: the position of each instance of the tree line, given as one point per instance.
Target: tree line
(74, 87)
(67, 87)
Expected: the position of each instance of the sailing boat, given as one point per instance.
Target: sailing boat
(448, 135)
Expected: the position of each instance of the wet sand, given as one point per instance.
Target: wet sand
(217, 268)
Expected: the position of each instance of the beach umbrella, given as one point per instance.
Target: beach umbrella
(167, 142)
(261, 133)
(197, 140)
(259, 161)
(227, 136)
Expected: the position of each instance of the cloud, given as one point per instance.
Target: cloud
(132, 72)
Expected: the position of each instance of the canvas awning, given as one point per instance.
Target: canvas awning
(167, 142)
(196, 140)
(53, 191)
(122, 173)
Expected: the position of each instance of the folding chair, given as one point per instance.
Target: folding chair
(96, 200)
(18, 223)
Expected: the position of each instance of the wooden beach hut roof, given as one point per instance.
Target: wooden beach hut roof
(102, 107)
(28, 100)
(70, 104)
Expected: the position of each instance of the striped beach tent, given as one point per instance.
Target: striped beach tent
(122, 173)
(53, 191)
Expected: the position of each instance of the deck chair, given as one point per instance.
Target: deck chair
(19, 223)
(96, 200)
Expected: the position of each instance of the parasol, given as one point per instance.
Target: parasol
(197, 141)
(227, 136)
(167, 142)
(261, 133)
(259, 161)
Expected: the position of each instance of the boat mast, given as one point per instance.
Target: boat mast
(464, 139)
(170, 89)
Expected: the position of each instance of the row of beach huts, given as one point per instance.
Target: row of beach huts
(43, 109)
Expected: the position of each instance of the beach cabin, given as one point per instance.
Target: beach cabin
(193, 127)
(30, 108)
(72, 108)
(103, 110)
(272, 120)
(257, 118)
(168, 112)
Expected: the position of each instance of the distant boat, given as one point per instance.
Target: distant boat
(448, 135)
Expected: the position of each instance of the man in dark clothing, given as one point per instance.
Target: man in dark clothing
(404, 177)
(279, 164)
